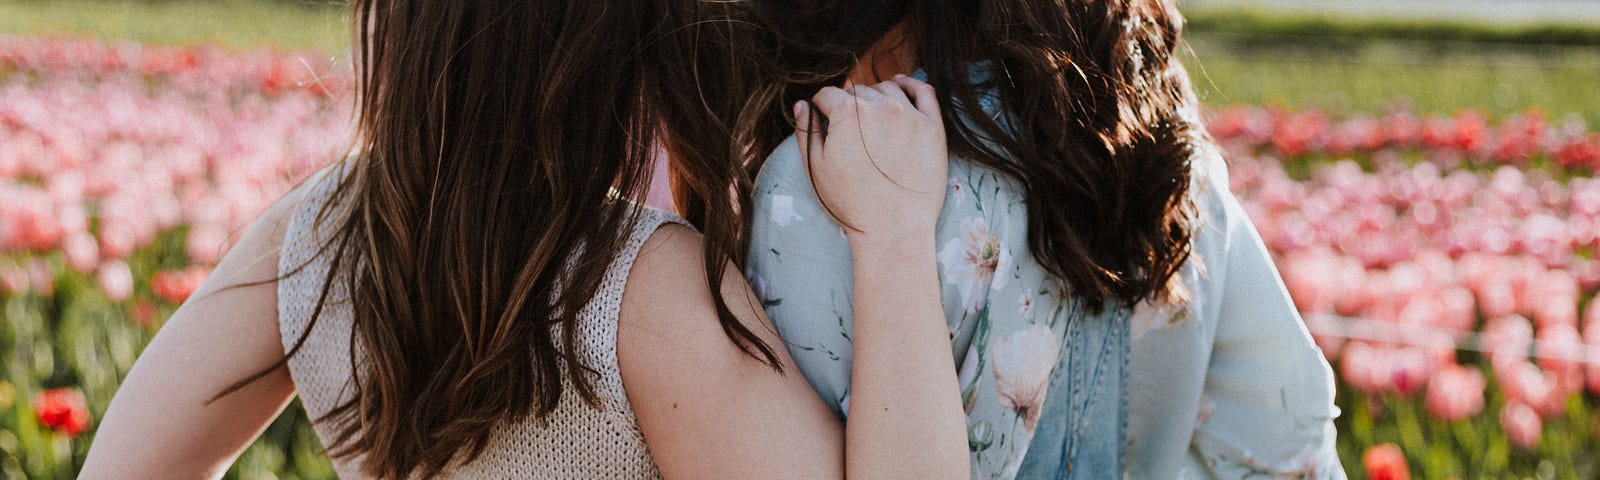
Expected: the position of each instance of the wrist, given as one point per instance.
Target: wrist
(896, 247)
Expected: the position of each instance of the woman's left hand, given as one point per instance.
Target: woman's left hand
(880, 168)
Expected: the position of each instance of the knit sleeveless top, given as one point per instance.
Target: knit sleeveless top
(574, 441)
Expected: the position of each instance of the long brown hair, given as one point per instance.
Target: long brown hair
(497, 143)
(1093, 107)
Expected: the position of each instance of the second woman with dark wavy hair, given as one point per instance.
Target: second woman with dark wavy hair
(1111, 311)
(471, 294)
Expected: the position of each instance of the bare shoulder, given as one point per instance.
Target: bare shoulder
(663, 259)
(666, 296)
(669, 318)
(706, 408)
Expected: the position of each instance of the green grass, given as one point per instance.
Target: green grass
(1372, 76)
(1240, 57)
(236, 24)
(1278, 27)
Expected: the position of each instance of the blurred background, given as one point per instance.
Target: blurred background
(1423, 171)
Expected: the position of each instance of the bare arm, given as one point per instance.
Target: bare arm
(159, 425)
(881, 170)
(708, 410)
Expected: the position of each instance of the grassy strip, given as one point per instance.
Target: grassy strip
(1363, 73)
(1294, 28)
(234, 24)
(1561, 84)
(304, 24)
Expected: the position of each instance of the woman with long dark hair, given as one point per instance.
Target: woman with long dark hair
(472, 294)
(1112, 313)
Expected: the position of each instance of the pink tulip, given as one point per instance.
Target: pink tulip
(1455, 393)
(1457, 306)
(115, 279)
(1591, 346)
(82, 253)
(1439, 345)
(1561, 352)
(1523, 426)
(1421, 310)
(1497, 298)
(1510, 331)
(1591, 322)
(1305, 273)
(117, 239)
(1526, 384)
(13, 280)
(1364, 367)
(1409, 369)
(41, 278)
(1587, 270)
(1353, 300)
(206, 243)
(1556, 301)
(33, 225)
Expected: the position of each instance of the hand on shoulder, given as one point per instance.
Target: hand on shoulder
(880, 166)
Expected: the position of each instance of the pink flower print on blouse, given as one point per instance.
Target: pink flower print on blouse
(970, 263)
(1022, 365)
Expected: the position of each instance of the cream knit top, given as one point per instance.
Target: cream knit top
(574, 441)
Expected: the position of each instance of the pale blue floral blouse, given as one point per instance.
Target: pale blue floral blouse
(1226, 385)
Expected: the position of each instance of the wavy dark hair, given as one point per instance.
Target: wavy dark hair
(1095, 104)
(485, 200)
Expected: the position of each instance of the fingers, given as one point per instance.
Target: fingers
(866, 93)
(833, 101)
(892, 91)
(927, 100)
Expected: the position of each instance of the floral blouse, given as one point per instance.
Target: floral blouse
(1225, 385)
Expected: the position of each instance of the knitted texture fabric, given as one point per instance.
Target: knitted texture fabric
(576, 440)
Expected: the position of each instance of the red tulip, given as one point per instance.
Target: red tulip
(1471, 130)
(143, 312)
(175, 286)
(1580, 153)
(63, 410)
(1385, 462)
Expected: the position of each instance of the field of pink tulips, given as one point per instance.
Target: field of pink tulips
(1447, 264)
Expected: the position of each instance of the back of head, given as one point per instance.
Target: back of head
(1095, 106)
(498, 142)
